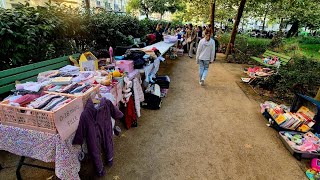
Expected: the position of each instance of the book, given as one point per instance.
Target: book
(280, 119)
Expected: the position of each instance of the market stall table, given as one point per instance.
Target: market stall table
(44, 147)
(161, 46)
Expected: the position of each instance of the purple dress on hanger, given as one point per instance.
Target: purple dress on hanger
(95, 127)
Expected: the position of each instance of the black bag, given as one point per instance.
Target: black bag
(163, 81)
(121, 50)
(134, 54)
(151, 101)
(139, 63)
(137, 57)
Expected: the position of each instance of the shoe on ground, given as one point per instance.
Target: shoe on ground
(202, 82)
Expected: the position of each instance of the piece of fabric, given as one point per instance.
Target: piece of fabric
(43, 146)
(32, 86)
(206, 50)
(26, 99)
(203, 69)
(155, 69)
(138, 94)
(130, 114)
(95, 127)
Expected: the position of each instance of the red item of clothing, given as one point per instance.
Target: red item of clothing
(154, 49)
(26, 99)
(151, 38)
(130, 113)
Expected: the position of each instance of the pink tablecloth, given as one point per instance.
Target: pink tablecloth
(42, 146)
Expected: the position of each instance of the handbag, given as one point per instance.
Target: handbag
(189, 39)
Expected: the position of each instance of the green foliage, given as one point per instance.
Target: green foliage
(154, 6)
(33, 34)
(301, 46)
(199, 11)
(245, 46)
(309, 40)
(301, 76)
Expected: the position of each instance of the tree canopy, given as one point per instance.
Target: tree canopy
(154, 6)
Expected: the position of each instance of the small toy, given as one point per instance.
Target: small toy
(315, 164)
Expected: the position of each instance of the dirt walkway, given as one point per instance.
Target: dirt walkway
(211, 132)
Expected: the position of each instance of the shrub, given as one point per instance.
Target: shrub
(33, 34)
(309, 40)
(301, 76)
(248, 46)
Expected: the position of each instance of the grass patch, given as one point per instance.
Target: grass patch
(302, 46)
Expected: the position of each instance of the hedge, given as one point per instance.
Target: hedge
(33, 34)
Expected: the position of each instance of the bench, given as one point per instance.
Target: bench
(283, 58)
(30, 72)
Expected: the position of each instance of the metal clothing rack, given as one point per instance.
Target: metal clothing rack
(22, 163)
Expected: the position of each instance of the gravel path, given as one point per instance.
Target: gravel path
(210, 132)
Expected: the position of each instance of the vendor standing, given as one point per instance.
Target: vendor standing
(158, 33)
(205, 55)
(191, 40)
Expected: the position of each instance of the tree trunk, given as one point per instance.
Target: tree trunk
(264, 20)
(294, 29)
(235, 26)
(281, 24)
(213, 6)
(318, 95)
(87, 6)
(242, 25)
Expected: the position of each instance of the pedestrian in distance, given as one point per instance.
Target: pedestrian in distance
(205, 55)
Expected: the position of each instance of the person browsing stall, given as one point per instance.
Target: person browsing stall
(205, 55)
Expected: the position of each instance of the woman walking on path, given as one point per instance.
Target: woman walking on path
(205, 55)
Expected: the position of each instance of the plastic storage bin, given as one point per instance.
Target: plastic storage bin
(41, 120)
(84, 97)
(297, 154)
(125, 65)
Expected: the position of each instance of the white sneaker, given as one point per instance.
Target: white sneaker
(200, 83)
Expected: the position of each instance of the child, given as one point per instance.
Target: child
(205, 55)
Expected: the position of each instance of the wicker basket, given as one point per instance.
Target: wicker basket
(40, 120)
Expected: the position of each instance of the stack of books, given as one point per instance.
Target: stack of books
(301, 121)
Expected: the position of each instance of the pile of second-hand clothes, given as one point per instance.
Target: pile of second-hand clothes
(47, 102)
(72, 88)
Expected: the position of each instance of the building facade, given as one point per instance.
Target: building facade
(118, 6)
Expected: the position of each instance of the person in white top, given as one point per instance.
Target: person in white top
(205, 55)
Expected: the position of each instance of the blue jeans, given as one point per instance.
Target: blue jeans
(203, 69)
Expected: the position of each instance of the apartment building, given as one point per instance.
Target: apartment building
(118, 6)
